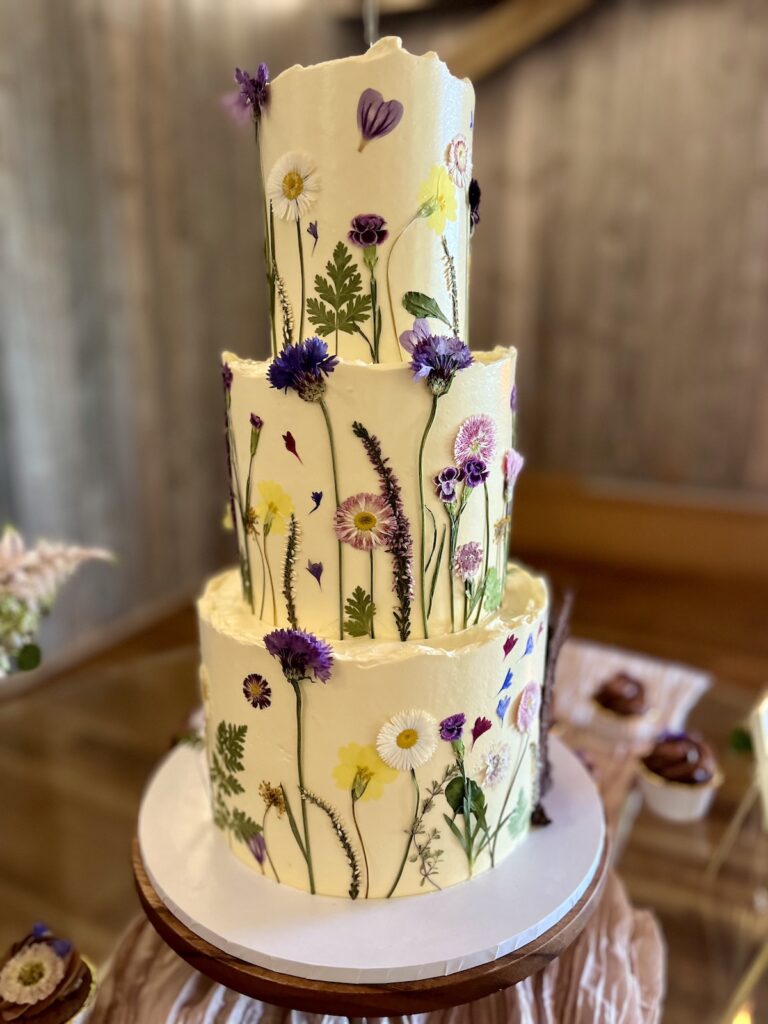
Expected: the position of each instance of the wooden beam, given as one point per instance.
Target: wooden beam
(652, 528)
(492, 39)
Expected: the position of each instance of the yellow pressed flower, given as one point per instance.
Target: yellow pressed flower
(275, 507)
(360, 768)
(440, 193)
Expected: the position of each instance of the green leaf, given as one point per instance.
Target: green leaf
(518, 817)
(438, 562)
(230, 745)
(454, 794)
(292, 823)
(340, 304)
(224, 781)
(454, 828)
(243, 826)
(493, 589)
(422, 306)
(29, 657)
(740, 740)
(360, 609)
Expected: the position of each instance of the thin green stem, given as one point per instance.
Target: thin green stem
(452, 553)
(466, 594)
(266, 844)
(487, 552)
(329, 428)
(245, 556)
(362, 846)
(389, 285)
(508, 794)
(271, 581)
(375, 317)
(263, 578)
(422, 552)
(300, 764)
(303, 284)
(273, 278)
(410, 836)
(373, 603)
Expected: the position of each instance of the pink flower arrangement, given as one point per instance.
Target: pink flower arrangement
(528, 707)
(364, 521)
(476, 439)
(468, 561)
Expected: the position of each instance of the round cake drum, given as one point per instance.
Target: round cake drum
(367, 941)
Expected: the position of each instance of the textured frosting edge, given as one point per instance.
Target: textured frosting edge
(526, 597)
(380, 49)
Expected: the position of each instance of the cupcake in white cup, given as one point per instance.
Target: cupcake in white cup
(621, 710)
(679, 777)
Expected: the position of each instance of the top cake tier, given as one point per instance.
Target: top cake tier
(367, 166)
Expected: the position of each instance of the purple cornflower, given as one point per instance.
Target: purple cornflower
(257, 846)
(256, 421)
(468, 560)
(315, 569)
(368, 229)
(476, 439)
(61, 947)
(446, 482)
(254, 92)
(473, 195)
(434, 358)
(300, 653)
(376, 117)
(481, 726)
(317, 497)
(303, 368)
(226, 376)
(452, 727)
(476, 472)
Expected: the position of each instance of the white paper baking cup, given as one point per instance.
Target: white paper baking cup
(677, 801)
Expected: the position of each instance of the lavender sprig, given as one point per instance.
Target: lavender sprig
(289, 571)
(399, 544)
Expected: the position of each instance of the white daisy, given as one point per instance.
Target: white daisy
(458, 161)
(31, 975)
(408, 740)
(495, 765)
(293, 185)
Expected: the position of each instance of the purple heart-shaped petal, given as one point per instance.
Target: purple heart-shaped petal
(376, 116)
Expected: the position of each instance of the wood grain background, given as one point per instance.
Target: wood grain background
(623, 249)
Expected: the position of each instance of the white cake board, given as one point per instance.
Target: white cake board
(325, 938)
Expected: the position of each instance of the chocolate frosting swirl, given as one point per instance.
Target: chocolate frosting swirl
(623, 694)
(682, 758)
(65, 1000)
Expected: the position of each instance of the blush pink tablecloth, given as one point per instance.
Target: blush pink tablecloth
(613, 974)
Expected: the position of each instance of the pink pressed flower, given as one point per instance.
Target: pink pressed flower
(512, 463)
(365, 521)
(527, 708)
(468, 560)
(476, 439)
(458, 162)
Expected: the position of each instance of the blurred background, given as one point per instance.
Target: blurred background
(622, 150)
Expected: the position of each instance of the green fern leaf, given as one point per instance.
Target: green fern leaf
(340, 304)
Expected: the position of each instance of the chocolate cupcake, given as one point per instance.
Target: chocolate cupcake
(44, 980)
(679, 777)
(621, 708)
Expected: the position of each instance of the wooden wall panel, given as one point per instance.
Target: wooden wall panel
(624, 165)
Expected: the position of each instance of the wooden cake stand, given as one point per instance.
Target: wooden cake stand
(366, 1000)
(371, 958)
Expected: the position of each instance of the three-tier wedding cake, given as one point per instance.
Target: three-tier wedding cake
(372, 672)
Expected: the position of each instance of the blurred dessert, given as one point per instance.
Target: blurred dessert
(44, 980)
(679, 777)
(622, 709)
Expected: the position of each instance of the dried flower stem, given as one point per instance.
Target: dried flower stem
(266, 845)
(289, 571)
(329, 428)
(411, 833)
(341, 834)
(422, 551)
(286, 310)
(362, 845)
(300, 768)
(303, 282)
(450, 282)
(389, 283)
(482, 585)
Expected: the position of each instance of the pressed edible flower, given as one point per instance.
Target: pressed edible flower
(528, 707)
(303, 368)
(300, 653)
(495, 765)
(468, 561)
(364, 521)
(274, 508)
(376, 117)
(293, 186)
(257, 691)
(438, 196)
(362, 772)
(476, 439)
(458, 162)
(408, 740)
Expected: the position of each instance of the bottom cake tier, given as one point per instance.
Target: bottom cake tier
(413, 767)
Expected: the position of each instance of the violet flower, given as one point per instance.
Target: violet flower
(476, 472)
(317, 497)
(315, 569)
(502, 707)
(446, 482)
(256, 422)
(303, 367)
(254, 92)
(257, 691)
(368, 229)
(226, 376)
(300, 653)
(473, 196)
(312, 232)
(452, 727)
(257, 846)
(376, 117)
(435, 358)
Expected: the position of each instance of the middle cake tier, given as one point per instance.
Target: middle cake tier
(373, 507)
